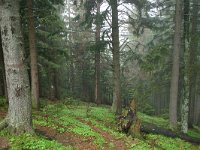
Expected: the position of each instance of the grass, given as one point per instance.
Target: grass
(154, 120)
(74, 117)
(32, 142)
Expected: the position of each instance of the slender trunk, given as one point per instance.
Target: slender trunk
(56, 83)
(97, 57)
(117, 103)
(175, 67)
(33, 56)
(192, 71)
(1, 70)
(185, 86)
(71, 52)
(52, 90)
(19, 111)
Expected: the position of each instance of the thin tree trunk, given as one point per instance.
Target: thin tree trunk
(184, 79)
(71, 51)
(117, 103)
(19, 112)
(33, 56)
(1, 70)
(175, 67)
(192, 71)
(97, 57)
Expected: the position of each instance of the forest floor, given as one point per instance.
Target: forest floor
(77, 125)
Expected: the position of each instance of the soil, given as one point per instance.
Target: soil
(80, 142)
(77, 141)
(118, 144)
(4, 144)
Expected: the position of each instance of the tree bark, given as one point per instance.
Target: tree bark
(33, 56)
(175, 66)
(97, 57)
(117, 103)
(183, 85)
(192, 71)
(19, 111)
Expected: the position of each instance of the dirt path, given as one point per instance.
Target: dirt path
(76, 141)
(118, 144)
(4, 144)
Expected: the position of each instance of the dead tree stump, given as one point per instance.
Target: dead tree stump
(129, 122)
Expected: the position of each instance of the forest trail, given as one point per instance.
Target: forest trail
(118, 143)
(79, 126)
(76, 141)
(81, 142)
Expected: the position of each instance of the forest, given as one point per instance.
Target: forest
(100, 74)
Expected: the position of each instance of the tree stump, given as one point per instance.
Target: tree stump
(129, 122)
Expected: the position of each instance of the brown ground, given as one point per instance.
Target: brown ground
(3, 143)
(80, 142)
(119, 144)
(77, 141)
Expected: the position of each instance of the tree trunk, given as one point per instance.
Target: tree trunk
(175, 66)
(1, 70)
(184, 86)
(97, 57)
(192, 71)
(51, 83)
(71, 76)
(117, 104)
(4, 87)
(19, 111)
(33, 56)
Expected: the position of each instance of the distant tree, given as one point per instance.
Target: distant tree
(33, 57)
(175, 66)
(97, 54)
(117, 102)
(193, 53)
(19, 118)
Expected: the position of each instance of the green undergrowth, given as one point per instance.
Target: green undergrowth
(154, 120)
(80, 118)
(32, 142)
(158, 121)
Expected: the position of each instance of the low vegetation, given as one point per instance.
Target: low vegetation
(92, 125)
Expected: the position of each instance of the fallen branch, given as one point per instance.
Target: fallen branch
(151, 128)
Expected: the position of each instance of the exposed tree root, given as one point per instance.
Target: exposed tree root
(21, 130)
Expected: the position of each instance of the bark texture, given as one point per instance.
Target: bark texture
(117, 104)
(33, 56)
(19, 111)
(175, 66)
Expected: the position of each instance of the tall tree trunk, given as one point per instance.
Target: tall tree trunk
(33, 56)
(97, 57)
(19, 111)
(71, 76)
(117, 103)
(184, 86)
(175, 66)
(192, 71)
